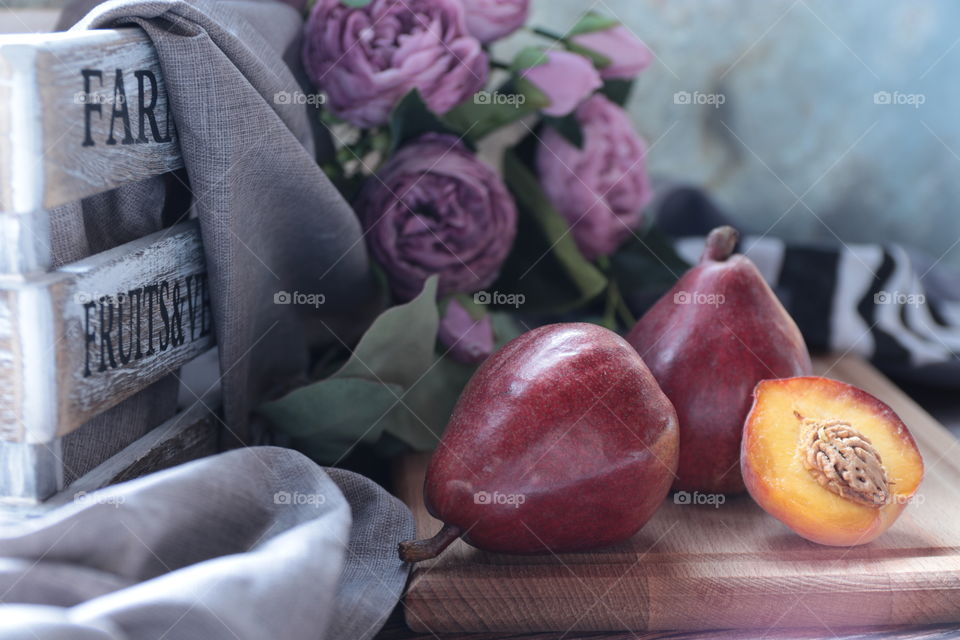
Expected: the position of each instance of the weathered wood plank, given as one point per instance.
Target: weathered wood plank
(25, 242)
(191, 434)
(79, 340)
(186, 436)
(80, 113)
(29, 472)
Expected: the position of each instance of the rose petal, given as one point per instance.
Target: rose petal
(367, 58)
(567, 79)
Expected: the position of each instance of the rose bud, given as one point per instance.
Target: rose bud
(468, 340)
(367, 58)
(618, 52)
(490, 20)
(435, 208)
(566, 79)
(601, 188)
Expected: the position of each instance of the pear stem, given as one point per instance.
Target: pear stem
(420, 550)
(720, 244)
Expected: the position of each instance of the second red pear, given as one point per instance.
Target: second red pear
(717, 333)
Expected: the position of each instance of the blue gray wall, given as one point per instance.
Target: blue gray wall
(800, 116)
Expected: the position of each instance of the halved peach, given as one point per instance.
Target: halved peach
(829, 460)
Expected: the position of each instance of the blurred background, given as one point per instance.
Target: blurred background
(812, 120)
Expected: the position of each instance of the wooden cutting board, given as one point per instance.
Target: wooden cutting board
(705, 567)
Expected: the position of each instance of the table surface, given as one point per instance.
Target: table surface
(396, 629)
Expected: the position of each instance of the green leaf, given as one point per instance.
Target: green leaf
(545, 265)
(645, 268)
(528, 58)
(617, 90)
(487, 111)
(323, 419)
(569, 127)
(411, 118)
(505, 327)
(593, 21)
(433, 398)
(399, 344)
(599, 60)
(535, 98)
(392, 384)
(429, 403)
(356, 4)
(590, 23)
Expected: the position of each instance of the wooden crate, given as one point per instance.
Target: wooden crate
(82, 113)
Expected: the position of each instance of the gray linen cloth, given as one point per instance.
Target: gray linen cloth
(251, 544)
(270, 219)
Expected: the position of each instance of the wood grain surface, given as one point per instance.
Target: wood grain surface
(703, 567)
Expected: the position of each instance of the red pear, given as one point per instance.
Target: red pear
(717, 333)
(561, 441)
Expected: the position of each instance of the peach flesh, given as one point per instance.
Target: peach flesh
(777, 479)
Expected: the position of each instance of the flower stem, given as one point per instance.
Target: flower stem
(546, 33)
(615, 305)
(626, 316)
(609, 311)
(610, 304)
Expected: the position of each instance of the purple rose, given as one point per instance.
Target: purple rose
(602, 188)
(490, 20)
(469, 341)
(435, 208)
(626, 54)
(567, 79)
(366, 59)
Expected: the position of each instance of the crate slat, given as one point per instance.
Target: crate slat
(77, 341)
(80, 113)
(35, 486)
